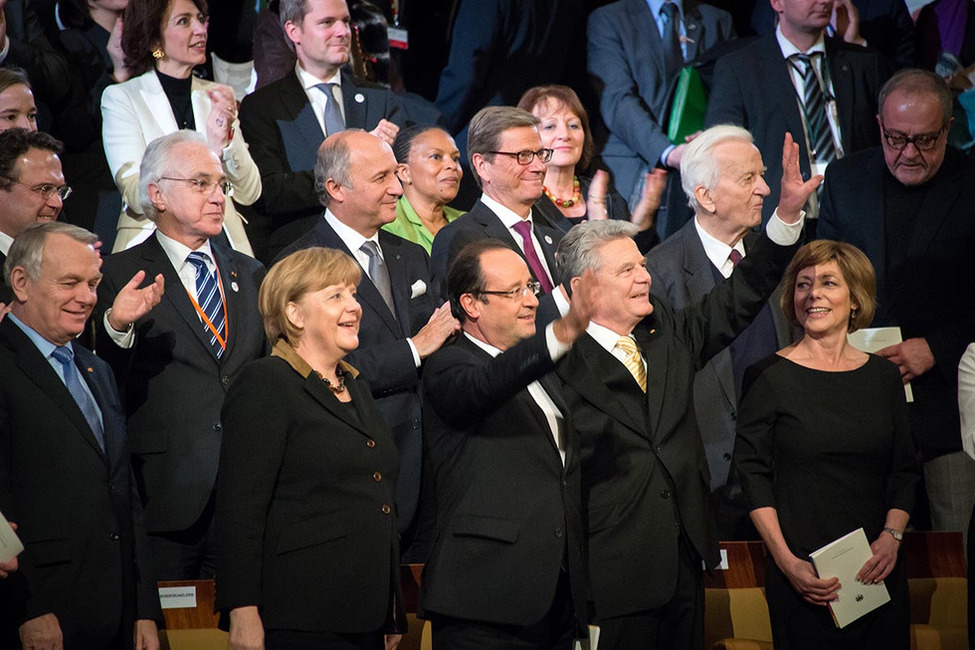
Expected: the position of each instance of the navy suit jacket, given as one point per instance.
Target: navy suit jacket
(626, 64)
(924, 290)
(85, 557)
(384, 357)
(172, 383)
(682, 274)
(284, 135)
(752, 88)
(482, 223)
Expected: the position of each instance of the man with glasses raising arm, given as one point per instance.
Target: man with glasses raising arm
(505, 152)
(174, 363)
(908, 206)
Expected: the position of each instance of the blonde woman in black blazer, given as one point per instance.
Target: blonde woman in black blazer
(307, 542)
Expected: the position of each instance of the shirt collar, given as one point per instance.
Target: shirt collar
(788, 49)
(349, 237)
(716, 250)
(604, 336)
(657, 5)
(507, 216)
(178, 252)
(487, 347)
(309, 81)
(42, 344)
(290, 356)
(5, 242)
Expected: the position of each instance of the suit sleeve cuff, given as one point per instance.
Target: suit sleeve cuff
(782, 233)
(666, 152)
(556, 349)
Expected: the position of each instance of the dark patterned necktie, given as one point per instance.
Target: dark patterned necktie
(210, 301)
(814, 106)
(673, 57)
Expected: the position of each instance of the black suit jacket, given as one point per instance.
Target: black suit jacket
(172, 383)
(284, 135)
(384, 357)
(645, 475)
(306, 527)
(752, 88)
(78, 513)
(6, 294)
(482, 223)
(626, 65)
(919, 287)
(508, 516)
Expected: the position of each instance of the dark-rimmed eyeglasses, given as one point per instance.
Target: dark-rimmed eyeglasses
(527, 156)
(47, 190)
(204, 187)
(532, 288)
(921, 141)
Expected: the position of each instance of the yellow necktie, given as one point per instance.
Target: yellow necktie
(633, 362)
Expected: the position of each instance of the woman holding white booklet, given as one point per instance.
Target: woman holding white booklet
(824, 448)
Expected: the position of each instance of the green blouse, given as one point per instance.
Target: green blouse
(409, 226)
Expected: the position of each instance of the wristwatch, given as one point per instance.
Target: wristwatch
(896, 534)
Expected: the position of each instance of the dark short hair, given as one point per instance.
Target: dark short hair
(404, 139)
(570, 100)
(143, 20)
(486, 127)
(855, 267)
(13, 77)
(466, 274)
(14, 143)
(918, 82)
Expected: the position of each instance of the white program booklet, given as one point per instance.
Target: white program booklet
(10, 544)
(872, 339)
(843, 559)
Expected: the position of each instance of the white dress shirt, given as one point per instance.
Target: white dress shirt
(316, 96)
(718, 252)
(509, 218)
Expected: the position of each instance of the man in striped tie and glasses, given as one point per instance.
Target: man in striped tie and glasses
(175, 363)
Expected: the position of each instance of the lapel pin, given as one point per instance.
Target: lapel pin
(690, 27)
(233, 273)
(233, 285)
(359, 98)
(548, 240)
(91, 370)
(653, 331)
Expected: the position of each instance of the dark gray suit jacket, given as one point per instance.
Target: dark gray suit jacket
(626, 65)
(682, 274)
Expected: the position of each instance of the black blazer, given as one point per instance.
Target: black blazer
(6, 294)
(918, 287)
(752, 88)
(284, 135)
(508, 516)
(78, 513)
(305, 517)
(384, 357)
(172, 383)
(645, 475)
(482, 223)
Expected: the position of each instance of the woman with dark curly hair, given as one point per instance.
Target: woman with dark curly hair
(163, 41)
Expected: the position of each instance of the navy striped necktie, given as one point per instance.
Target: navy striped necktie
(210, 301)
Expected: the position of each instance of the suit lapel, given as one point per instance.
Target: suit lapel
(229, 277)
(158, 262)
(39, 370)
(774, 69)
(843, 89)
(155, 99)
(201, 105)
(354, 103)
(938, 207)
(551, 386)
(101, 387)
(398, 279)
(648, 45)
(369, 295)
(694, 29)
(295, 103)
(656, 357)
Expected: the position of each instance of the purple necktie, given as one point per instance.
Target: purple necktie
(735, 257)
(524, 228)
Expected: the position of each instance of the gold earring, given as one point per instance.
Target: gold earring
(158, 53)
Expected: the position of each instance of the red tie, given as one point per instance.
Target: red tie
(524, 228)
(735, 257)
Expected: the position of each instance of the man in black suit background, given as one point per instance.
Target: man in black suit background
(286, 121)
(908, 206)
(507, 567)
(403, 320)
(722, 176)
(821, 90)
(505, 152)
(32, 188)
(84, 579)
(629, 387)
(175, 363)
